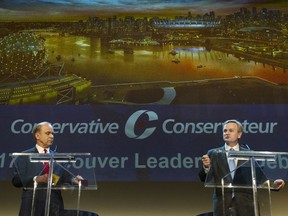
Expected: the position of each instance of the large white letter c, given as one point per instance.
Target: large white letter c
(131, 122)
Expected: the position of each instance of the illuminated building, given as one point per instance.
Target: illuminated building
(27, 77)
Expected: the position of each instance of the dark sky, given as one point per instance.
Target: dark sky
(49, 9)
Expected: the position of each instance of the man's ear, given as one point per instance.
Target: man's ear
(239, 135)
(36, 136)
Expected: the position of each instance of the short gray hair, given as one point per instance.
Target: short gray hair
(38, 126)
(239, 125)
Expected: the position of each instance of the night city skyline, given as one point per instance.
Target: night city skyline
(65, 10)
(93, 46)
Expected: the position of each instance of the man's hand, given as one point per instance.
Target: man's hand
(77, 179)
(206, 161)
(42, 178)
(279, 184)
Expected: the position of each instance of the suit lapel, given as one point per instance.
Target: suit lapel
(224, 158)
(39, 167)
(241, 162)
(225, 164)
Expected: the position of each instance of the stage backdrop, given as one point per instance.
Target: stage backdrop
(142, 143)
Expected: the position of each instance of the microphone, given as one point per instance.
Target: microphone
(55, 148)
(246, 146)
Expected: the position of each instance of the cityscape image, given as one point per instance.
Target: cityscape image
(143, 52)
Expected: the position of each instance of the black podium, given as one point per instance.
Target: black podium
(60, 164)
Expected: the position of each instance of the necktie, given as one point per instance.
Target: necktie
(46, 164)
(232, 165)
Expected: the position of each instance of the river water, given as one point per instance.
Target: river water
(86, 57)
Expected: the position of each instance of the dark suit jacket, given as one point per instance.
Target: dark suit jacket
(23, 175)
(243, 198)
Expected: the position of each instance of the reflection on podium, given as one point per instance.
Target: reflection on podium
(65, 170)
(70, 212)
(250, 188)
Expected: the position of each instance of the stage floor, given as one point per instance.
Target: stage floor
(139, 199)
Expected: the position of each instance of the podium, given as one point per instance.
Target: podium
(63, 168)
(251, 179)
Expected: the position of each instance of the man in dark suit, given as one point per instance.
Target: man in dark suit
(28, 175)
(236, 202)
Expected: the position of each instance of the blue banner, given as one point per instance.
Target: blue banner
(141, 143)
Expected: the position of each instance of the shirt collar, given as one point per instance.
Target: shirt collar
(236, 147)
(41, 149)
